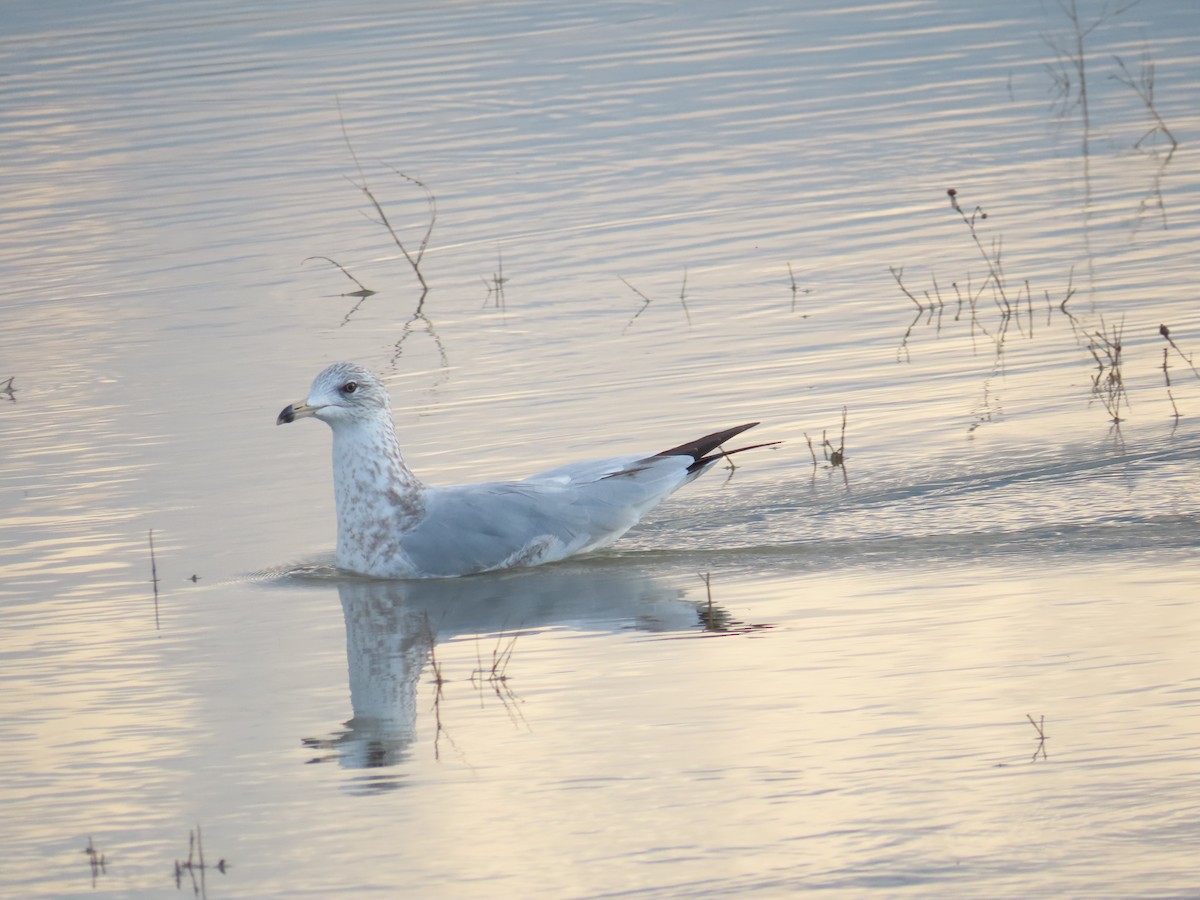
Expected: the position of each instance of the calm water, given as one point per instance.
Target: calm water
(693, 215)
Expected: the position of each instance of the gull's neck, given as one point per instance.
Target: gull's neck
(378, 497)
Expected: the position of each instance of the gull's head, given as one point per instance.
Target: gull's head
(343, 393)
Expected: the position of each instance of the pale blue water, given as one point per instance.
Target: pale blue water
(849, 713)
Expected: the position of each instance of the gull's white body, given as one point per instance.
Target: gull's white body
(391, 525)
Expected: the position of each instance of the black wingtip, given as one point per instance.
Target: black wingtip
(700, 448)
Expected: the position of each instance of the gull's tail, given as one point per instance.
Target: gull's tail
(701, 450)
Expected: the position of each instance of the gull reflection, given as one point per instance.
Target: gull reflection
(393, 629)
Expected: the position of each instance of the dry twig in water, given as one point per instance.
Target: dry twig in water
(195, 863)
(708, 619)
(496, 676)
(1167, 378)
(1040, 725)
(1108, 384)
(495, 284)
(646, 301)
(1071, 60)
(154, 578)
(438, 684)
(363, 290)
(796, 289)
(414, 258)
(811, 450)
(683, 297)
(96, 860)
(1166, 333)
(836, 456)
(1143, 86)
(992, 258)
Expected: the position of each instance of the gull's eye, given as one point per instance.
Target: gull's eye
(349, 387)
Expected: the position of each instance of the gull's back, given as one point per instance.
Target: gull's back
(547, 517)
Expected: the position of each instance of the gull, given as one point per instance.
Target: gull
(393, 525)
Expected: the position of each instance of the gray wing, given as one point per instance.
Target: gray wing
(584, 506)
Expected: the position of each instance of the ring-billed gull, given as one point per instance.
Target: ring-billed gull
(392, 525)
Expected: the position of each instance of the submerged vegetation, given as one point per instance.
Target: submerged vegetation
(993, 304)
(97, 861)
(418, 319)
(414, 256)
(1040, 726)
(646, 301)
(154, 578)
(835, 457)
(1166, 369)
(195, 867)
(1102, 341)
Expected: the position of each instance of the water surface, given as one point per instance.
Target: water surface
(694, 216)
